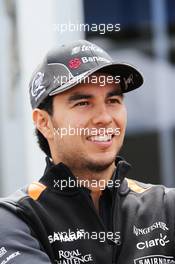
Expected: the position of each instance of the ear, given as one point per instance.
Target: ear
(43, 122)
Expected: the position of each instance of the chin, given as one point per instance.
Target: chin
(100, 163)
(104, 156)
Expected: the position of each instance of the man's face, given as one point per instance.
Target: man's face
(99, 112)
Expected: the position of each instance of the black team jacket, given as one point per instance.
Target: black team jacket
(45, 222)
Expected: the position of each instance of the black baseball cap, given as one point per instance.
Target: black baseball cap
(67, 65)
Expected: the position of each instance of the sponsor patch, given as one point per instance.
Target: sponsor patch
(66, 236)
(73, 257)
(144, 231)
(12, 256)
(155, 259)
(2, 251)
(160, 241)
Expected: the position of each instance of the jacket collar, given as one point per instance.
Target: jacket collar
(59, 177)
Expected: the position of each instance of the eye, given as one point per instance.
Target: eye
(115, 100)
(82, 103)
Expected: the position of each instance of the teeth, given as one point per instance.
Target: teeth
(101, 138)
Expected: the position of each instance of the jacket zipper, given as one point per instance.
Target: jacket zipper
(92, 207)
(116, 217)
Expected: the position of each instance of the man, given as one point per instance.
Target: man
(84, 209)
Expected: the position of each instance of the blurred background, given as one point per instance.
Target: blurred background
(146, 39)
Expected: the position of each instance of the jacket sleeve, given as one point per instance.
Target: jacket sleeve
(17, 245)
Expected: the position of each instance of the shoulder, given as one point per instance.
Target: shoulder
(18, 242)
(17, 235)
(33, 191)
(10, 223)
(140, 187)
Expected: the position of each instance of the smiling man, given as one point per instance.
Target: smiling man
(84, 209)
(98, 115)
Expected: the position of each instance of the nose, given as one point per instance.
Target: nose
(101, 116)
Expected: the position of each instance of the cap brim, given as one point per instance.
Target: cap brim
(130, 77)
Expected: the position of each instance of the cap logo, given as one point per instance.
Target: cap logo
(85, 48)
(74, 63)
(128, 81)
(36, 84)
(91, 48)
(75, 50)
(94, 59)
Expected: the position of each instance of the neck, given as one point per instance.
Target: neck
(95, 197)
(96, 182)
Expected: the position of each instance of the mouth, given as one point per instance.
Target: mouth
(101, 138)
(102, 141)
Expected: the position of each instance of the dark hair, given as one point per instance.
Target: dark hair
(46, 105)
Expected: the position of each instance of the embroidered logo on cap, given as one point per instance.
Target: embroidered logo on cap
(76, 50)
(37, 88)
(74, 63)
(128, 81)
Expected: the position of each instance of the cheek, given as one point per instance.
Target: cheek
(121, 118)
(77, 121)
(124, 116)
(70, 123)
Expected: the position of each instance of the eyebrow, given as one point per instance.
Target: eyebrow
(79, 96)
(115, 93)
